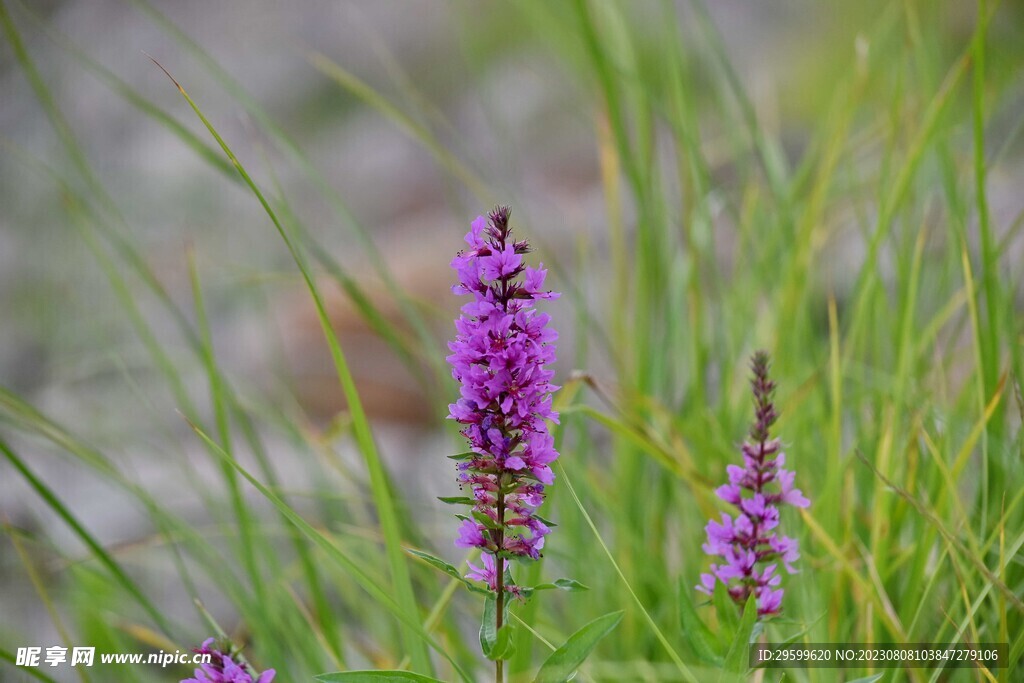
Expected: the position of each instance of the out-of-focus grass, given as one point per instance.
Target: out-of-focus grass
(720, 233)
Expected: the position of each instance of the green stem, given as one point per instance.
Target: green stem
(499, 584)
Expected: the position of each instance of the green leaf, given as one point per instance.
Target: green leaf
(489, 626)
(736, 661)
(510, 557)
(485, 520)
(457, 500)
(548, 522)
(463, 456)
(868, 679)
(496, 643)
(436, 562)
(448, 569)
(374, 677)
(695, 631)
(726, 610)
(560, 666)
(571, 585)
(504, 646)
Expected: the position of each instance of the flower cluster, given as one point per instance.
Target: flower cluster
(499, 358)
(749, 545)
(224, 669)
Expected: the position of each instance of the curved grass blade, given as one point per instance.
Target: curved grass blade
(378, 478)
(434, 355)
(83, 534)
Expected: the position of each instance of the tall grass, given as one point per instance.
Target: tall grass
(899, 364)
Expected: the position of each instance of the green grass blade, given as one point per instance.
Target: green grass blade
(381, 489)
(101, 554)
(683, 669)
(369, 583)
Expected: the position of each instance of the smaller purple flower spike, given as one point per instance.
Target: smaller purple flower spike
(224, 669)
(749, 545)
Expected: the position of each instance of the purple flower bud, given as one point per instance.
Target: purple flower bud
(748, 544)
(501, 357)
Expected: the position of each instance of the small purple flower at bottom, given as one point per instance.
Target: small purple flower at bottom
(749, 545)
(489, 575)
(222, 668)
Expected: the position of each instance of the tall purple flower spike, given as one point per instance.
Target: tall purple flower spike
(224, 669)
(500, 358)
(748, 544)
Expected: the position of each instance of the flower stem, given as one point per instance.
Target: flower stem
(499, 567)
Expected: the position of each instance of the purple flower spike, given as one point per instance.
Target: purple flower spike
(500, 358)
(224, 669)
(749, 545)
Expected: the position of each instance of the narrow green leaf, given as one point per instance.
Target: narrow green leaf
(485, 520)
(457, 500)
(695, 631)
(374, 677)
(560, 666)
(469, 455)
(548, 522)
(726, 610)
(436, 562)
(448, 569)
(736, 661)
(571, 585)
(868, 679)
